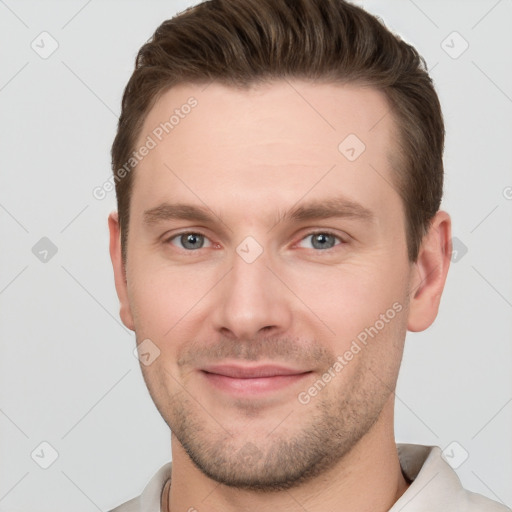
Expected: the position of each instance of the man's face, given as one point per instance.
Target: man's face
(277, 252)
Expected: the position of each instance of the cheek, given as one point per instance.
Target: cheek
(350, 297)
(161, 296)
(164, 302)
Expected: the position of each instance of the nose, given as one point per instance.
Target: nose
(251, 301)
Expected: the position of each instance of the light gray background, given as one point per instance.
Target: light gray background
(67, 372)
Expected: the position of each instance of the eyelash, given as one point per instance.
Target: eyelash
(312, 233)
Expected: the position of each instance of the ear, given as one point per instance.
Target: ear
(119, 270)
(429, 273)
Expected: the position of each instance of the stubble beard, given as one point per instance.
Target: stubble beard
(313, 439)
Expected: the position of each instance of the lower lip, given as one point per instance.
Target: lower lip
(254, 386)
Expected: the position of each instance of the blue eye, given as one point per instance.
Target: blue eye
(190, 241)
(320, 240)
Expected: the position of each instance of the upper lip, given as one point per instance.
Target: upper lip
(251, 372)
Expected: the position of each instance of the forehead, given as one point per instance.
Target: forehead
(273, 141)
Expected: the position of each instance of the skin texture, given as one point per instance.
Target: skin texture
(248, 157)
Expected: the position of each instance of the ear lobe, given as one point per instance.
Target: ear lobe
(119, 271)
(429, 273)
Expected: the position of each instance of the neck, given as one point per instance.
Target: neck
(369, 477)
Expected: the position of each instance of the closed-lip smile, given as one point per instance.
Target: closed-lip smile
(251, 379)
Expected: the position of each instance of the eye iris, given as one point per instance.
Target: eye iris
(192, 241)
(323, 241)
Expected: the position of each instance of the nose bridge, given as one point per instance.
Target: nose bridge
(250, 299)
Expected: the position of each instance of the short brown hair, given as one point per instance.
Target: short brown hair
(244, 42)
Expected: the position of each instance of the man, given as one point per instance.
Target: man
(278, 169)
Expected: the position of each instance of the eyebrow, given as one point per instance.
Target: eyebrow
(168, 211)
(327, 208)
(313, 210)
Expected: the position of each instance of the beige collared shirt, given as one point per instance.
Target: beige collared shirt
(435, 487)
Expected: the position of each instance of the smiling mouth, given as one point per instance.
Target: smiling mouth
(252, 380)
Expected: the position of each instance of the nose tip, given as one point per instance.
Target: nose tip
(251, 302)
